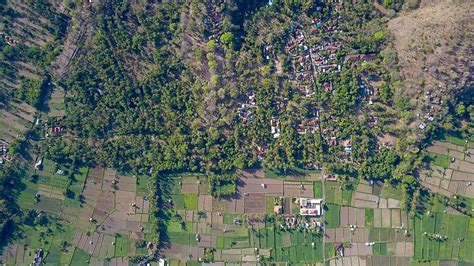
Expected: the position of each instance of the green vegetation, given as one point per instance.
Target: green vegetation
(317, 189)
(438, 160)
(447, 236)
(222, 185)
(332, 216)
(188, 100)
(369, 217)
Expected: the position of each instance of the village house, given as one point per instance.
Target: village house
(332, 141)
(330, 177)
(278, 209)
(328, 86)
(352, 59)
(260, 153)
(4, 152)
(10, 40)
(245, 113)
(275, 128)
(347, 144)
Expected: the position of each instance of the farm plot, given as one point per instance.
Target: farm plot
(336, 195)
(232, 227)
(456, 172)
(442, 236)
(12, 126)
(56, 105)
(98, 219)
(365, 200)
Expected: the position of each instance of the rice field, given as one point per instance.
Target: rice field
(456, 237)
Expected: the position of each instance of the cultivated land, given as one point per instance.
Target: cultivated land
(363, 226)
(451, 168)
(63, 227)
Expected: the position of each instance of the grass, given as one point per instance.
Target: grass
(329, 250)
(81, 174)
(454, 140)
(236, 242)
(380, 249)
(269, 204)
(178, 201)
(183, 238)
(142, 184)
(369, 217)
(175, 226)
(49, 205)
(191, 201)
(346, 197)
(122, 246)
(334, 194)
(389, 191)
(317, 189)
(455, 227)
(438, 160)
(332, 215)
(26, 196)
(80, 257)
(228, 218)
(436, 205)
(220, 242)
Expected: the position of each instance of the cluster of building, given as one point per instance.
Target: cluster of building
(325, 57)
(302, 65)
(353, 59)
(214, 20)
(310, 207)
(433, 106)
(10, 40)
(246, 109)
(52, 127)
(4, 152)
(38, 258)
(267, 52)
(309, 218)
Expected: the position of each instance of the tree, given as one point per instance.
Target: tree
(212, 45)
(14, 147)
(460, 109)
(228, 39)
(385, 93)
(387, 3)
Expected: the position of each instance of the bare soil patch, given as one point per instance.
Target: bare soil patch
(433, 44)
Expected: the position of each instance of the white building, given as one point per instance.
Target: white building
(311, 207)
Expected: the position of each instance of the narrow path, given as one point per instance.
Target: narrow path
(323, 219)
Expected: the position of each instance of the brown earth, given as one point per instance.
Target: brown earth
(434, 44)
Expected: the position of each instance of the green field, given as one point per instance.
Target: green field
(458, 245)
(269, 204)
(332, 216)
(80, 257)
(334, 193)
(380, 249)
(318, 189)
(191, 202)
(369, 217)
(438, 160)
(389, 191)
(457, 140)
